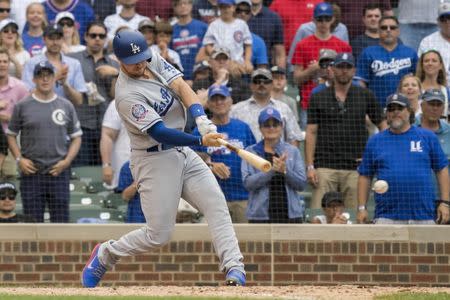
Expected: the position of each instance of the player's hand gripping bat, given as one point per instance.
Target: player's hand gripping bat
(253, 159)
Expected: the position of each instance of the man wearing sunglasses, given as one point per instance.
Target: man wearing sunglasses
(336, 133)
(99, 72)
(440, 40)
(381, 67)
(8, 193)
(404, 156)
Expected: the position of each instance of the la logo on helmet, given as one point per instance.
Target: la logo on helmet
(135, 48)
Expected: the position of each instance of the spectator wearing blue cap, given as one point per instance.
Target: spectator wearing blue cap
(336, 133)
(433, 102)
(225, 164)
(50, 137)
(405, 157)
(273, 196)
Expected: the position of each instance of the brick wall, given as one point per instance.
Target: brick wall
(269, 261)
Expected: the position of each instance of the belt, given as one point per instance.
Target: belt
(160, 147)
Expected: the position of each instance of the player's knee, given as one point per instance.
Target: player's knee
(156, 238)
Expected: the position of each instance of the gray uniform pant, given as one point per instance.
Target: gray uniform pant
(162, 178)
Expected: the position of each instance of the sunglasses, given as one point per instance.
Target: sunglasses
(324, 19)
(243, 11)
(93, 36)
(386, 27)
(325, 64)
(68, 23)
(392, 108)
(444, 19)
(3, 10)
(10, 30)
(10, 197)
(261, 81)
(275, 124)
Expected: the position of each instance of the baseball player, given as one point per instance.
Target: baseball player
(151, 98)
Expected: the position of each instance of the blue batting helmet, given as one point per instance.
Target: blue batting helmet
(130, 47)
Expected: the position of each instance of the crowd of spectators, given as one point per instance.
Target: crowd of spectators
(367, 89)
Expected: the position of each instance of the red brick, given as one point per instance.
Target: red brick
(9, 267)
(67, 258)
(111, 276)
(67, 277)
(282, 258)
(440, 269)
(344, 258)
(147, 267)
(206, 277)
(47, 267)
(265, 268)
(305, 258)
(384, 278)
(286, 268)
(362, 246)
(205, 268)
(306, 277)
(404, 268)
(27, 258)
(166, 277)
(51, 246)
(146, 276)
(283, 277)
(127, 267)
(262, 258)
(262, 277)
(67, 268)
(186, 277)
(364, 268)
(384, 259)
(146, 258)
(423, 259)
(325, 277)
(27, 277)
(186, 258)
(345, 277)
(425, 278)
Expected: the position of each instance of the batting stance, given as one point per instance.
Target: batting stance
(150, 99)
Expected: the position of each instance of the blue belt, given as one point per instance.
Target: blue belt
(159, 147)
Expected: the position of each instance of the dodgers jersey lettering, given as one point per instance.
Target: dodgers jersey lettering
(143, 102)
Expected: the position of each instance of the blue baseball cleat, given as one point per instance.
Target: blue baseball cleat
(93, 270)
(235, 278)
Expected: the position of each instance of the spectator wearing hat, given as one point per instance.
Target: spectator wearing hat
(187, 35)
(82, 12)
(405, 157)
(222, 74)
(45, 122)
(259, 50)
(249, 110)
(33, 33)
(433, 102)
(231, 33)
(69, 77)
(273, 196)
(8, 193)
(11, 91)
(440, 40)
(326, 60)
(381, 67)
(100, 73)
(336, 133)
(71, 36)
(201, 70)
(126, 17)
(333, 210)
(279, 88)
(306, 55)
(265, 24)
(225, 164)
(163, 31)
(205, 10)
(147, 28)
(10, 40)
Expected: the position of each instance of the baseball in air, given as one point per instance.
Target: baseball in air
(380, 187)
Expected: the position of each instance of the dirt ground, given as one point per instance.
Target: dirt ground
(346, 292)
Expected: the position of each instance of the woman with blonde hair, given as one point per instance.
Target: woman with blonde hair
(11, 41)
(411, 87)
(33, 33)
(432, 74)
(71, 43)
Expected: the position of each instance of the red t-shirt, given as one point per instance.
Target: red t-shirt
(293, 13)
(307, 50)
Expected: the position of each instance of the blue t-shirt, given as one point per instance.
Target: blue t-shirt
(259, 51)
(239, 134)
(32, 44)
(382, 70)
(406, 162)
(134, 212)
(187, 40)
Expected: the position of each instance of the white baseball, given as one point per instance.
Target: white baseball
(380, 187)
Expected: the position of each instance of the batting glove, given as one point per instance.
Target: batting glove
(205, 125)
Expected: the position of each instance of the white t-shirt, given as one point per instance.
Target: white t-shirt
(112, 22)
(121, 148)
(435, 41)
(22, 57)
(232, 36)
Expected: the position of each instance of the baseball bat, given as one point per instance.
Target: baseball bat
(253, 159)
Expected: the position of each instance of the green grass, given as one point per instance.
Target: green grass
(27, 297)
(415, 296)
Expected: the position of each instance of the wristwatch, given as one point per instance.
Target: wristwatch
(310, 167)
(362, 207)
(105, 165)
